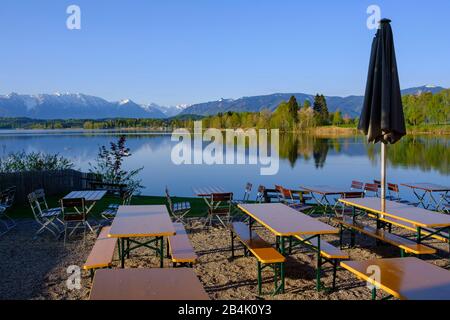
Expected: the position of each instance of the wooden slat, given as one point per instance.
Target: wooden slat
(142, 221)
(180, 246)
(102, 253)
(382, 235)
(417, 216)
(282, 220)
(147, 284)
(405, 278)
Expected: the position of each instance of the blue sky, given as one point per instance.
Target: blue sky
(189, 51)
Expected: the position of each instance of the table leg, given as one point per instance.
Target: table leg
(282, 251)
(161, 253)
(122, 255)
(419, 236)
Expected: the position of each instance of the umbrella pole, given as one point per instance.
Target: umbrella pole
(383, 176)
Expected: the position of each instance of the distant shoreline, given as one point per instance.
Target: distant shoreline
(323, 131)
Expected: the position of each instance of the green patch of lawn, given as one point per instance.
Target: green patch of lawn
(198, 206)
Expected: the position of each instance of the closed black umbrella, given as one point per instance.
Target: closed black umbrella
(382, 118)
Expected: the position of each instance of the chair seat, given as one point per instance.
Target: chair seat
(109, 212)
(52, 212)
(113, 206)
(181, 206)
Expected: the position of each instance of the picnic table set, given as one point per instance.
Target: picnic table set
(292, 221)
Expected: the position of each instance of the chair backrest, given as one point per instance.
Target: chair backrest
(357, 185)
(260, 194)
(350, 195)
(73, 207)
(392, 187)
(7, 196)
(377, 182)
(221, 203)
(371, 187)
(40, 195)
(127, 196)
(169, 199)
(280, 192)
(247, 191)
(35, 206)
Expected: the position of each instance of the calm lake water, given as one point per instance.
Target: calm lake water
(303, 160)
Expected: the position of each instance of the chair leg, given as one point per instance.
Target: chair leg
(65, 233)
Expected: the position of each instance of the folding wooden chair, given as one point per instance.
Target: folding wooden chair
(74, 212)
(6, 202)
(178, 210)
(47, 219)
(247, 192)
(357, 185)
(394, 194)
(221, 206)
(110, 212)
(347, 195)
(260, 194)
(371, 189)
(288, 199)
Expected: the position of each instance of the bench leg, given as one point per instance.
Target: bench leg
(167, 249)
(335, 263)
(352, 238)
(232, 244)
(341, 235)
(128, 248)
(259, 279)
(290, 245)
(374, 293)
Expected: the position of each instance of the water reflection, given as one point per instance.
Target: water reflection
(304, 159)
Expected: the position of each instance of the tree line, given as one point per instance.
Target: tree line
(290, 116)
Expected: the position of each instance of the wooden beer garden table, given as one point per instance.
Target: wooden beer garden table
(422, 219)
(285, 222)
(90, 199)
(147, 284)
(404, 278)
(321, 193)
(149, 221)
(428, 189)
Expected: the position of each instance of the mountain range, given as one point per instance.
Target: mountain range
(81, 106)
(350, 105)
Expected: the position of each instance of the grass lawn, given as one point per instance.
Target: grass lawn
(199, 208)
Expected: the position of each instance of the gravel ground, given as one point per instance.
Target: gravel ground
(37, 268)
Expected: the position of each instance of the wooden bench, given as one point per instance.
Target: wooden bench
(328, 252)
(409, 226)
(102, 253)
(179, 247)
(266, 255)
(405, 245)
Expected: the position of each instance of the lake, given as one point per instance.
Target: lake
(303, 160)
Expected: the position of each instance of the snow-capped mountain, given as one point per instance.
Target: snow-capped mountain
(69, 105)
(169, 111)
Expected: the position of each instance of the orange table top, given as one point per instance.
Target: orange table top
(147, 284)
(404, 278)
(282, 220)
(417, 216)
(142, 221)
